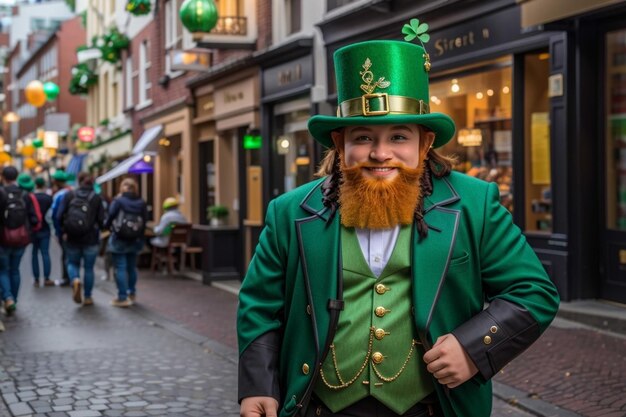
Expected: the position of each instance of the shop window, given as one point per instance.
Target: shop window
(144, 74)
(616, 129)
(173, 35)
(207, 178)
(479, 101)
(128, 75)
(537, 178)
(334, 4)
(293, 10)
(293, 149)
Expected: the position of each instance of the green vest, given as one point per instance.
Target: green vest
(374, 352)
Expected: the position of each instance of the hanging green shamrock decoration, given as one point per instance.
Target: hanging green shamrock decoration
(415, 29)
(112, 44)
(82, 78)
(138, 7)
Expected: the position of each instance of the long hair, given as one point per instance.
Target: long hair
(128, 185)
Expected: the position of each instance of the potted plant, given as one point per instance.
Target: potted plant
(217, 214)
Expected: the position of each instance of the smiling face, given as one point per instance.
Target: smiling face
(381, 168)
(381, 149)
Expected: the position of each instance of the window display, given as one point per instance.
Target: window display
(292, 151)
(479, 101)
(616, 129)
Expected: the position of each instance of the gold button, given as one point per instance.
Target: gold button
(380, 311)
(381, 289)
(487, 340)
(380, 333)
(377, 357)
(308, 309)
(305, 369)
(493, 329)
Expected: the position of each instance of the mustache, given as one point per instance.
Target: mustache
(356, 168)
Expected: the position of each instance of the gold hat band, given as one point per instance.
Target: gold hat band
(385, 104)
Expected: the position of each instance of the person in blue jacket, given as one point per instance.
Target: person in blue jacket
(126, 219)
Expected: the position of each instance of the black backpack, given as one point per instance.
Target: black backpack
(79, 216)
(128, 226)
(16, 227)
(15, 212)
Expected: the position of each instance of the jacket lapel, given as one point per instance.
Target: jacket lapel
(318, 246)
(431, 255)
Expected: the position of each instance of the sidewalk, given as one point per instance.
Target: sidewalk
(176, 349)
(59, 359)
(573, 370)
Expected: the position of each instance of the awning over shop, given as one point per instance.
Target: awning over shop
(122, 167)
(148, 140)
(538, 12)
(76, 164)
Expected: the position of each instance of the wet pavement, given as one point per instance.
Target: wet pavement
(58, 358)
(174, 354)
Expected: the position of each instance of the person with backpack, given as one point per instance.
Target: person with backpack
(81, 216)
(26, 183)
(17, 218)
(41, 237)
(127, 221)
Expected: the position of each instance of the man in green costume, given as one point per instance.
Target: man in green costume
(366, 295)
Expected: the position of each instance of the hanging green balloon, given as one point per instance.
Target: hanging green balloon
(198, 15)
(51, 90)
(38, 143)
(138, 7)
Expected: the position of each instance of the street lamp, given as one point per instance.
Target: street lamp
(11, 117)
(8, 119)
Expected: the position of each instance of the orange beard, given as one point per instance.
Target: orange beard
(372, 203)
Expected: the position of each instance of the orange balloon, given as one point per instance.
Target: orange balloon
(29, 163)
(4, 157)
(28, 150)
(35, 95)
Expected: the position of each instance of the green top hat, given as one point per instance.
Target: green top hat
(59, 175)
(381, 83)
(25, 182)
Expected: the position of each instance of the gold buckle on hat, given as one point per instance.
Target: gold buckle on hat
(365, 104)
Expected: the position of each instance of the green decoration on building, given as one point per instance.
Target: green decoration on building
(82, 78)
(138, 7)
(111, 44)
(198, 15)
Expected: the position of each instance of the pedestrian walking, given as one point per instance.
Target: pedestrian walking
(126, 220)
(80, 217)
(18, 216)
(41, 237)
(26, 183)
(366, 292)
(59, 188)
(170, 217)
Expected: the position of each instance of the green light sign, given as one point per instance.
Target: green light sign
(252, 141)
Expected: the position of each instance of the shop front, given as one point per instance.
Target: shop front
(175, 175)
(237, 182)
(505, 90)
(288, 154)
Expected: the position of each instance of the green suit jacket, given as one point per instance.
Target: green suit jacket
(291, 297)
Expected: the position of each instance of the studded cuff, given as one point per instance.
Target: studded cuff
(497, 335)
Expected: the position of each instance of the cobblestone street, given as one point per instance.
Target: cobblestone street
(174, 354)
(60, 359)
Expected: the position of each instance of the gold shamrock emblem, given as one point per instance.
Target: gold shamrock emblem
(368, 76)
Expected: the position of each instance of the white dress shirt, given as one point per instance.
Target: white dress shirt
(377, 246)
